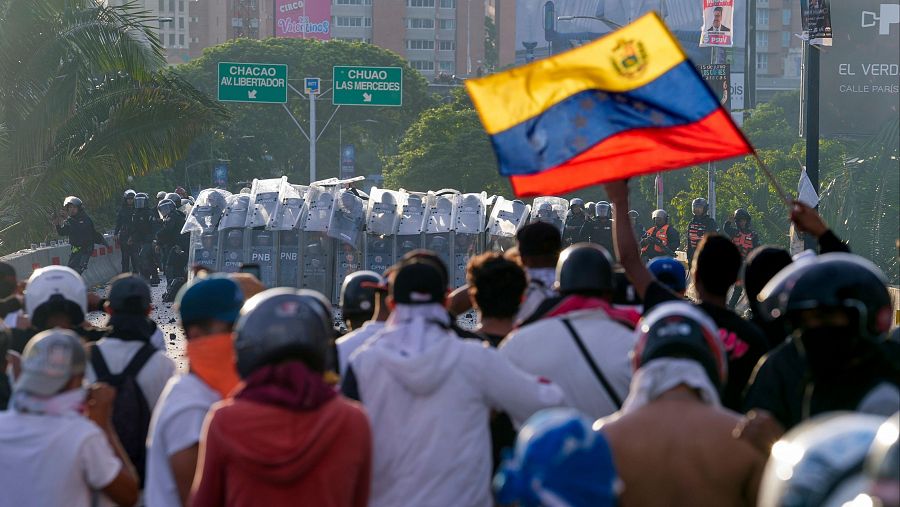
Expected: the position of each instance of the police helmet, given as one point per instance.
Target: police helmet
(129, 194)
(584, 267)
(175, 198)
(831, 281)
(679, 329)
(545, 210)
(603, 209)
(235, 237)
(820, 462)
(358, 293)
(165, 207)
(669, 272)
(576, 202)
(160, 195)
(633, 214)
(660, 213)
(741, 214)
(558, 456)
(700, 206)
(283, 322)
(73, 201)
(140, 200)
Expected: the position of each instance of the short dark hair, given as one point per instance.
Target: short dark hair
(717, 264)
(497, 284)
(717, 9)
(539, 241)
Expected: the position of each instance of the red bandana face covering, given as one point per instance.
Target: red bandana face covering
(212, 359)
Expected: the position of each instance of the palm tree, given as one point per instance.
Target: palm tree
(85, 101)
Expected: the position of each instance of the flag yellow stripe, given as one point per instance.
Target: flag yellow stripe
(506, 99)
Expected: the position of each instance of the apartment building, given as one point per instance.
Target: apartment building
(779, 53)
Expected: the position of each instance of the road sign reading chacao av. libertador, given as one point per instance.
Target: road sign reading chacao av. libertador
(367, 86)
(253, 82)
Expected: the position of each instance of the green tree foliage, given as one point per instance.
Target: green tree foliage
(491, 51)
(446, 148)
(261, 140)
(83, 105)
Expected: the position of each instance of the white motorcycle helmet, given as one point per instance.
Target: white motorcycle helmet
(51, 283)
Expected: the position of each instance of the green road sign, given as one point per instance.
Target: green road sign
(368, 86)
(253, 82)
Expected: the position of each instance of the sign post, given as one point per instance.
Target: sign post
(262, 83)
(367, 86)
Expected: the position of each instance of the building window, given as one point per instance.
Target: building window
(448, 24)
(762, 62)
(447, 67)
(352, 2)
(162, 5)
(762, 40)
(419, 23)
(419, 44)
(446, 45)
(181, 40)
(171, 40)
(181, 23)
(785, 39)
(448, 4)
(171, 5)
(367, 22)
(786, 17)
(762, 18)
(348, 21)
(195, 40)
(422, 64)
(420, 3)
(180, 5)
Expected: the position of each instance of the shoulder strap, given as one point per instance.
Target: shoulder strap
(590, 360)
(139, 360)
(101, 370)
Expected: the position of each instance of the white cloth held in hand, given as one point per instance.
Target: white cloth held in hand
(661, 375)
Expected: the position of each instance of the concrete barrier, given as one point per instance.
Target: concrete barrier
(105, 262)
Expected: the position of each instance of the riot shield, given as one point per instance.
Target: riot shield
(382, 221)
(262, 252)
(320, 204)
(507, 217)
(263, 200)
(552, 210)
(346, 227)
(316, 257)
(467, 234)
(413, 214)
(439, 229)
(231, 234)
(202, 224)
(288, 271)
(290, 208)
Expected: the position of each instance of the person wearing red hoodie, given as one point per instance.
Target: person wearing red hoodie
(285, 437)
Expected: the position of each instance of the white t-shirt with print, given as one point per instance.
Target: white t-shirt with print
(176, 425)
(53, 460)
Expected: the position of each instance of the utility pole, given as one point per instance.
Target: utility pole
(812, 115)
(312, 137)
(750, 63)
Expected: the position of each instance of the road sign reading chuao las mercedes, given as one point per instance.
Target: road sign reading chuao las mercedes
(253, 82)
(368, 86)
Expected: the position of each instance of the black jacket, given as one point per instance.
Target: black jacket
(125, 223)
(170, 235)
(783, 385)
(142, 225)
(80, 230)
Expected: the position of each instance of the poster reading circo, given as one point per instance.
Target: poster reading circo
(303, 19)
(718, 23)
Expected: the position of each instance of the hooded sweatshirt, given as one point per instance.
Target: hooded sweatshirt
(429, 396)
(262, 453)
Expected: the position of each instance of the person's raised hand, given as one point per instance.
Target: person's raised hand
(617, 191)
(807, 219)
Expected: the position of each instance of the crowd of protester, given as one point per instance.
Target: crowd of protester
(588, 380)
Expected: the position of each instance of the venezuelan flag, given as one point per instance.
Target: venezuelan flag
(627, 104)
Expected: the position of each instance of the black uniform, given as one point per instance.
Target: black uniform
(142, 233)
(574, 231)
(175, 246)
(601, 232)
(699, 227)
(124, 231)
(82, 237)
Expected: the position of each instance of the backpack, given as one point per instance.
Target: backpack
(131, 412)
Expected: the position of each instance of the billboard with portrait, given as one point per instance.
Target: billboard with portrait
(718, 23)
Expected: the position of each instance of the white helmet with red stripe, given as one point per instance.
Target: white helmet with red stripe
(680, 329)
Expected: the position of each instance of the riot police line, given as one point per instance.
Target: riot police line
(313, 236)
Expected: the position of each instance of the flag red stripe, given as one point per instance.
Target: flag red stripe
(637, 152)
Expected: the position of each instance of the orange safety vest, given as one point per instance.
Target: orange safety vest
(662, 234)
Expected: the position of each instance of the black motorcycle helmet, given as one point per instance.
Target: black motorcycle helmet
(358, 293)
(584, 268)
(699, 207)
(175, 198)
(831, 281)
(283, 323)
(603, 209)
(679, 330)
(741, 214)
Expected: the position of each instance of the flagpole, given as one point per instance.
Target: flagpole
(781, 193)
